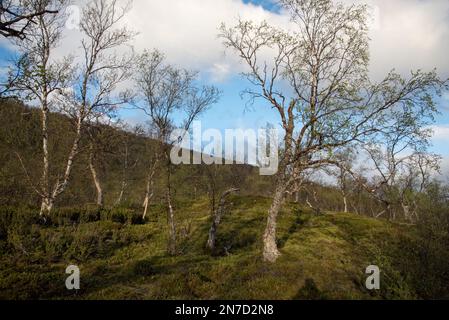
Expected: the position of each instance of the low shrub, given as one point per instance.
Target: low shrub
(97, 239)
(144, 268)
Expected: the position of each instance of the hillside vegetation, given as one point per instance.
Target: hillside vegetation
(121, 257)
(354, 180)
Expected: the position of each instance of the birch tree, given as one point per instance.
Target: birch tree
(129, 157)
(84, 91)
(342, 173)
(315, 76)
(94, 93)
(217, 215)
(398, 175)
(100, 138)
(415, 179)
(38, 76)
(169, 92)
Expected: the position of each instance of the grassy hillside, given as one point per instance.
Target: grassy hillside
(121, 256)
(323, 257)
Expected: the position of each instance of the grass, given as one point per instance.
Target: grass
(323, 257)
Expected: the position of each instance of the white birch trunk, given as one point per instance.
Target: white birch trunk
(270, 249)
(216, 218)
(96, 179)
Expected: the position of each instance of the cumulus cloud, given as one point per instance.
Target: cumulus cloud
(411, 34)
(186, 30)
(406, 34)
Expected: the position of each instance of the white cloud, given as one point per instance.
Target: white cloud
(412, 34)
(406, 34)
(441, 133)
(220, 71)
(187, 30)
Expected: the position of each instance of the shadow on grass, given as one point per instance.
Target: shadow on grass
(300, 221)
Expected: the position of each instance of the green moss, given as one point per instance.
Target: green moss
(323, 257)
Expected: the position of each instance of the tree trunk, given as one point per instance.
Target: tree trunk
(46, 206)
(345, 201)
(122, 192)
(46, 203)
(149, 191)
(392, 213)
(407, 213)
(270, 249)
(216, 218)
(148, 197)
(96, 179)
(171, 225)
(59, 186)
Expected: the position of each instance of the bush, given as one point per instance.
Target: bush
(55, 243)
(68, 233)
(33, 284)
(71, 216)
(20, 228)
(76, 216)
(6, 216)
(144, 268)
(96, 239)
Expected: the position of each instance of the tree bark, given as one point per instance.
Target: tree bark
(407, 212)
(345, 202)
(270, 249)
(46, 206)
(148, 197)
(95, 178)
(45, 201)
(149, 191)
(216, 218)
(171, 225)
(122, 192)
(297, 197)
(59, 186)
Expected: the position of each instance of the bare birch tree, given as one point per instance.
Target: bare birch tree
(94, 92)
(342, 173)
(401, 169)
(217, 215)
(100, 137)
(169, 92)
(129, 157)
(415, 179)
(316, 78)
(83, 92)
(38, 76)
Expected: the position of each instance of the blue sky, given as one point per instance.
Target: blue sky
(410, 34)
(269, 5)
